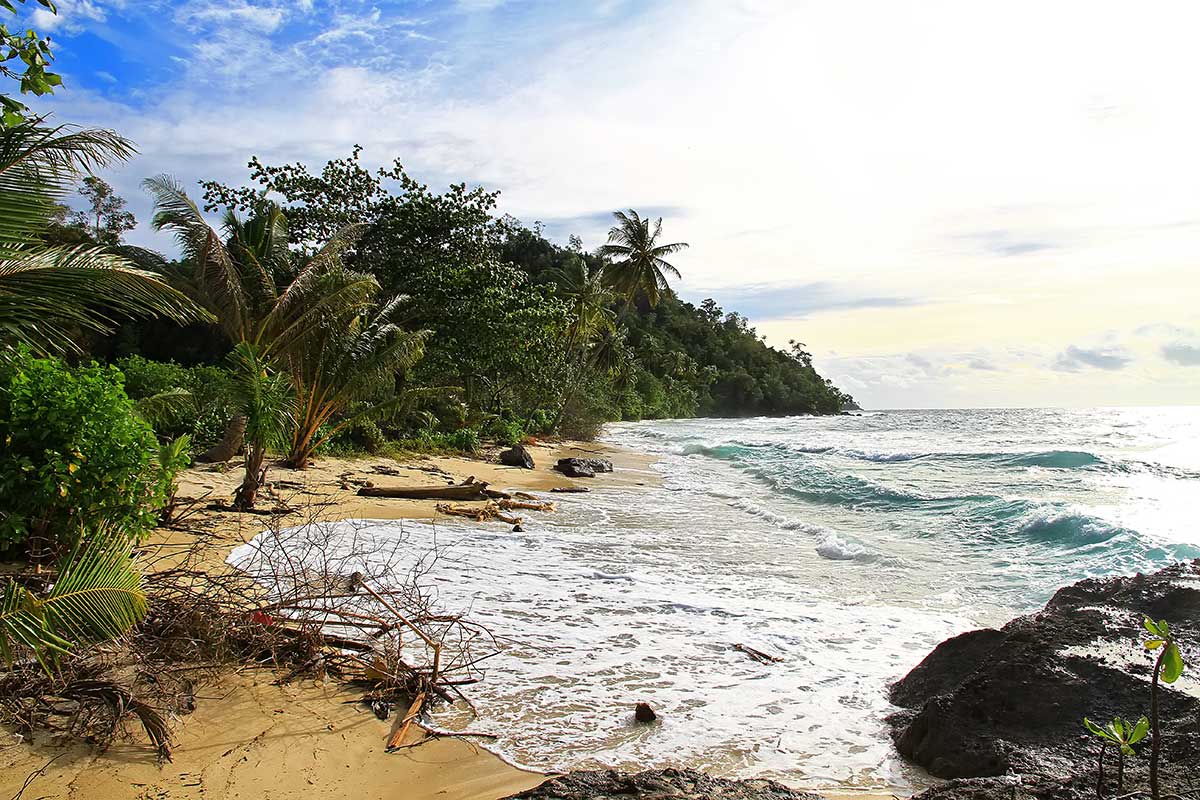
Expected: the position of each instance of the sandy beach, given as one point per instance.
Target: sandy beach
(252, 738)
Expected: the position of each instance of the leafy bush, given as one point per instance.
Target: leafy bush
(586, 414)
(73, 453)
(506, 431)
(202, 415)
(540, 422)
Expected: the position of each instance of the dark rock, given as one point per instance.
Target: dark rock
(642, 712)
(517, 456)
(992, 702)
(517, 529)
(575, 468)
(570, 489)
(583, 467)
(664, 784)
(1009, 787)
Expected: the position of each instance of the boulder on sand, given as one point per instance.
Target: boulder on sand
(517, 456)
(583, 467)
(1012, 701)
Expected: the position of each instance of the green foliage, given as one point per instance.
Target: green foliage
(73, 454)
(1170, 658)
(1120, 732)
(637, 265)
(24, 57)
(96, 597)
(208, 401)
(49, 295)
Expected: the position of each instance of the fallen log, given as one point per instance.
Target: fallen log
(470, 489)
(570, 489)
(526, 505)
(758, 655)
(484, 513)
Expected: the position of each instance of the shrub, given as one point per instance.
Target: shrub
(506, 431)
(540, 421)
(204, 413)
(73, 453)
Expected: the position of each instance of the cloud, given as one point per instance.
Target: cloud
(72, 17)
(1075, 358)
(981, 364)
(1182, 354)
(762, 303)
(1005, 243)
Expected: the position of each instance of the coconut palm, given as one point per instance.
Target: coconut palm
(589, 301)
(350, 360)
(96, 597)
(48, 295)
(275, 331)
(638, 264)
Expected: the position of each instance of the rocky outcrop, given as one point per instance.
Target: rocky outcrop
(1011, 701)
(517, 456)
(660, 784)
(583, 467)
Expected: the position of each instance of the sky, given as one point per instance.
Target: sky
(950, 204)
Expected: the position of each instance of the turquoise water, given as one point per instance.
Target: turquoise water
(847, 546)
(1010, 504)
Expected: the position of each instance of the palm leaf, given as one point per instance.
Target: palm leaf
(217, 278)
(47, 293)
(97, 597)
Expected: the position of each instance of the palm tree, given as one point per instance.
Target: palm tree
(351, 360)
(50, 294)
(236, 276)
(639, 265)
(592, 324)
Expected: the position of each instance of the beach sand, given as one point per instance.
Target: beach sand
(250, 738)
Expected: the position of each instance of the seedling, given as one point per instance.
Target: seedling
(1123, 735)
(1167, 668)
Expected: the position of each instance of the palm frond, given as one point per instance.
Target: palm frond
(97, 597)
(48, 292)
(38, 165)
(216, 277)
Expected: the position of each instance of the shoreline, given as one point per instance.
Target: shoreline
(249, 737)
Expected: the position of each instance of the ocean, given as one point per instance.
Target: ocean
(847, 546)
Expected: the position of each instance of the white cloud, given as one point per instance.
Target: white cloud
(1025, 170)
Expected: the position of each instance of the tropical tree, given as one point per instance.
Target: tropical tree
(49, 295)
(237, 277)
(638, 264)
(24, 56)
(349, 361)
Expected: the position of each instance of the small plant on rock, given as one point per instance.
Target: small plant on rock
(1121, 734)
(1167, 669)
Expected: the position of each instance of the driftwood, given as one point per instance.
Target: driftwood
(470, 489)
(405, 722)
(758, 655)
(570, 489)
(230, 444)
(484, 513)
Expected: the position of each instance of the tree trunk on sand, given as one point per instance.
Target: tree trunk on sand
(252, 481)
(230, 444)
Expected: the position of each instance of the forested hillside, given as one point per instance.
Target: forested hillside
(507, 333)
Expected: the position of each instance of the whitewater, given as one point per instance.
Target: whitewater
(848, 546)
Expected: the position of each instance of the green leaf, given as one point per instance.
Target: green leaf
(1097, 730)
(1172, 663)
(1153, 644)
(1150, 625)
(1140, 729)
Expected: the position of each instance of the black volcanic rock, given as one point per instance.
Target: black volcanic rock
(659, 784)
(583, 467)
(1011, 701)
(517, 456)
